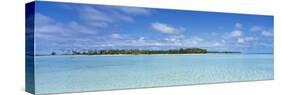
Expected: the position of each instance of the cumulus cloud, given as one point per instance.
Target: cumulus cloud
(215, 44)
(196, 40)
(250, 38)
(60, 35)
(91, 20)
(165, 28)
(238, 26)
(262, 31)
(116, 36)
(96, 27)
(245, 39)
(267, 33)
(162, 43)
(171, 39)
(240, 40)
(236, 33)
(255, 29)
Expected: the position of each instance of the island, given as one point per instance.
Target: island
(138, 52)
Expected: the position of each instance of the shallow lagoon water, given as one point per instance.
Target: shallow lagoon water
(56, 74)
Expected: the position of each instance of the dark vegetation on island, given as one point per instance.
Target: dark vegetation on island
(137, 52)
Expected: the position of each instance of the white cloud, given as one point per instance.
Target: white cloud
(76, 27)
(114, 15)
(122, 17)
(135, 11)
(240, 40)
(236, 33)
(238, 26)
(98, 24)
(255, 29)
(116, 36)
(92, 14)
(45, 24)
(91, 21)
(216, 44)
(223, 41)
(264, 32)
(195, 40)
(170, 39)
(48, 29)
(141, 39)
(98, 18)
(41, 19)
(267, 33)
(165, 28)
(245, 39)
(250, 38)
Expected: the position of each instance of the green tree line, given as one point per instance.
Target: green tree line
(135, 51)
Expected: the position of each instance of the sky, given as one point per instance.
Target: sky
(62, 27)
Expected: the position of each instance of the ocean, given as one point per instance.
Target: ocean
(75, 73)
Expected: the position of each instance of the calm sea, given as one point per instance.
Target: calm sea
(56, 74)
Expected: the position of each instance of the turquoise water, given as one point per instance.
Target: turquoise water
(56, 74)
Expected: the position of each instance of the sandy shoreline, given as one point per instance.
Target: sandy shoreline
(141, 54)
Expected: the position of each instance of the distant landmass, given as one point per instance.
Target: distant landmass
(137, 52)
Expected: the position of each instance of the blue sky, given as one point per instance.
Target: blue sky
(62, 27)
